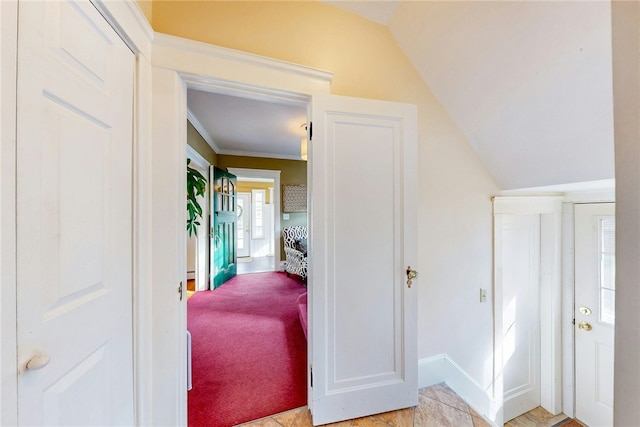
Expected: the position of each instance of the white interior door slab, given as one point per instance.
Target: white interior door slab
(362, 346)
(595, 312)
(521, 313)
(74, 186)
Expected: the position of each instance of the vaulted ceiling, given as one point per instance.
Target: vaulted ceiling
(528, 83)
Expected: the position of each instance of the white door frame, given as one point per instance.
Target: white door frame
(179, 64)
(202, 257)
(8, 290)
(550, 210)
(275, 176)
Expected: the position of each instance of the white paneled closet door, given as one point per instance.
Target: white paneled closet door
(74, 210)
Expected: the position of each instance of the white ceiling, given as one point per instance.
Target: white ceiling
(528, 83)
(247, 127)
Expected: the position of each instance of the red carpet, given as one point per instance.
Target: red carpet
(248, 350)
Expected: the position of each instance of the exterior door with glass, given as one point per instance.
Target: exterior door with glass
(225, 216)
(595, 312)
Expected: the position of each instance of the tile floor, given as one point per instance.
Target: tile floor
(439, 406)
(255, 264)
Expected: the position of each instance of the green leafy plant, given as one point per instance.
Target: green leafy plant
(196, 186)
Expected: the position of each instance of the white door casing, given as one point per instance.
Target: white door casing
(549, 211)
(202, 239)
(521, 313)
(178, 64)
(243, 246)
(74, 210)
(363, 345)
(594, 308)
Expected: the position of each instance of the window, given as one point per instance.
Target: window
(257, 214)
(607, 234)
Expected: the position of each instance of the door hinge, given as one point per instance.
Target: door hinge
(180, 291)
(310, 131)
(311, 375)
(573, 322)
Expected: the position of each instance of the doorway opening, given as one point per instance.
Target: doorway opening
(255, 308)
(559, 250)
(198, 243)
(527, 357)
(255, 236)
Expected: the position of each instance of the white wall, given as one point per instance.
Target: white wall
(626, 91)
(455, 247)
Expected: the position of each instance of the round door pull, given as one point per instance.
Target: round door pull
(585, 326)
(38, 361)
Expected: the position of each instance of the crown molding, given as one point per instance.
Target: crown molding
(259, 154)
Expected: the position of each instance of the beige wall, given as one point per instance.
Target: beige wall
(197, 142)
(291, 172)
(455, 216)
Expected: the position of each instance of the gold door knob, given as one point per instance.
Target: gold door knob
(411, 274)
(585, 326)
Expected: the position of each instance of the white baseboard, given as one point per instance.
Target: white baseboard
(440, 368)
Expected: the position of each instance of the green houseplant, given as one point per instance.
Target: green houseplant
(196, 186)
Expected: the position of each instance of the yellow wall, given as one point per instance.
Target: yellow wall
(455, 212)
(362, 54)
(197, 142)
(247, 186)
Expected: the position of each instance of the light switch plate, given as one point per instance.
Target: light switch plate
(483, 295)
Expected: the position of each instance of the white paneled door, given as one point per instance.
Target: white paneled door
(595, 312)
(521, 313)
(74, 218)
(362, 349)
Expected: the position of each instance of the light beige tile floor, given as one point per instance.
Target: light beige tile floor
(538, 417)
(438, 406)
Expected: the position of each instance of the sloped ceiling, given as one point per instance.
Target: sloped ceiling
(528, 83)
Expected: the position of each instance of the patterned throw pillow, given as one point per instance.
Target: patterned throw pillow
(301, 245)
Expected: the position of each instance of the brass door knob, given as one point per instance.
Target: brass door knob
(411, 274)
(585, 326)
